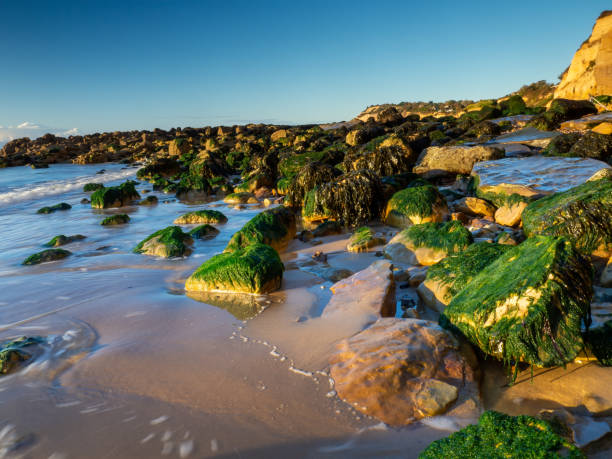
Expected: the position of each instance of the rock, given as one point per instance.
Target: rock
(582, 213)
(498, 435)
(419, 204)
(335, 274)
(204, 232)
(55, 208)
(119, 219)
(60, 240)
(603, 128)
(561, 144)
(475, 206)
(392, 156)
(519, 309)
(239, 198)
(327, 229)
(584, 429)
(589, 72)
(593, 145)
(506, 239)
(606, 276)
(114, 196)
(46, 255)
(599, 343)
(168, 242)
(256, 268)
(601, 174)
(428, 243)
(353, 198)
(363, 239)
(362, 135)
(308, 177)
(201, 216)
(275, 227)
(448, 277)
(401, 370)
(510, 215)
(13, 355)
(160, 167)
(451, 160)
(178, 147)
(280, 134)
(92, 187)
(148, 201)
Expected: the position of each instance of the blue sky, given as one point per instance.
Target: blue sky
(121, 65)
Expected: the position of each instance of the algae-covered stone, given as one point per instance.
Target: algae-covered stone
(201, 216)
(500, 436)
(119, 219)
(308, 177)
(448, 277)
(92, 187)
(55, 208)
(583, 213)
(12, 353)
(148, 201)
(274, 227)
(168, 242)
(253, 269)
(428, 243)
(240, 198)
(204, 232)
(60, 240)
(528, 305)
(363, 239)
(114, 196)
(419, 204)
(45, 256)
(475, 206)
(599, 343)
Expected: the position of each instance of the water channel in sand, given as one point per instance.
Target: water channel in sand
(133, 367)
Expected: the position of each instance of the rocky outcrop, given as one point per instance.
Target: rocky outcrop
(590, 72)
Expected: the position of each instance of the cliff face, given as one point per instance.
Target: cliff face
(590, 73)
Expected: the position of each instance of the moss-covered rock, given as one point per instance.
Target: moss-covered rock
(448, 277)
(60, 240)
(92, 187)
(46, 255)
(599, 343)
(161, 167)
(420, 204)
(562, 144)
(204, 232)
(513, 105)
(253, 269)
(201, 216)
(240, 198)
(119, 219)
(593, 145)
(499, 436)
(308, 177)
(363, 239)
(55, 208)
(428, 243)
(13, 355)
(168, 242)
(148, 201)
(327, 228)
(274, 227)
(583, 213)
(115, 196)
(388, 158)
(528, 305)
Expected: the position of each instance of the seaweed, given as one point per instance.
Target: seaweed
(201, 216)
(362, 239)
(46, 255)
(119, 219)
(418, 201)
(274, 227)
(204, 232)
(60, 240)
(167, 242)
(93, 187)
(599, 343)
(55, 208)
(450, 236)
(12, 354)
(114, 196)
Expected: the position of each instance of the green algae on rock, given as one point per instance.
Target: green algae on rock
(46, 255)
(114, 196)
(428, 243)
(253, 269)
(60, 240)
(204, 232)
(56, 207)
(12, 354)
(148, 201)
(528, 305)
(419, 204)
(92, 187)
(363, 239)
(308, 177)
(274, 227)
(240, 198)
(582, 213)
(599, 343)
(168, 242)
(500, 436)
(201, 216)
(119, 219)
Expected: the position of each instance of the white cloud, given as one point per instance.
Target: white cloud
(32, 130)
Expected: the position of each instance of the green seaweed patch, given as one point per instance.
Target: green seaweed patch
(420, 201)
(500, 436)
(253, 269)
(204, 232)
(450, 236)
(289, 166)
(362, 239)
(528, 305)
(582, 213)
(599, 343)
(149, 201)
(499, 199)
(115, 196)
(168, 242)
(201, 216)
(13, 355)
(92, 187)
(282, 186)
(274, 227)
(55, 208)
(60, 240)
(46, 255)
(119, 219)
(242, 197)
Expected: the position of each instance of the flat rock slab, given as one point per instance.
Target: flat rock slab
(582, 124)
(527, 136)
(541, 174)
(402, 370)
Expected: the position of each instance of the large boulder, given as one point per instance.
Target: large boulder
(201, 216)
(402, 370)
(451, 160)
(168, 242)
(392, 156)
(419, 204)
(593, 145)
(253, 269)
(308, 177)
(274, 227)
(528, 305)
(114, 196)
(448, 277)
(428, 243)
(582, 213)
(363, 134)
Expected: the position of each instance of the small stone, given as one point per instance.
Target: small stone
(510, 215)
